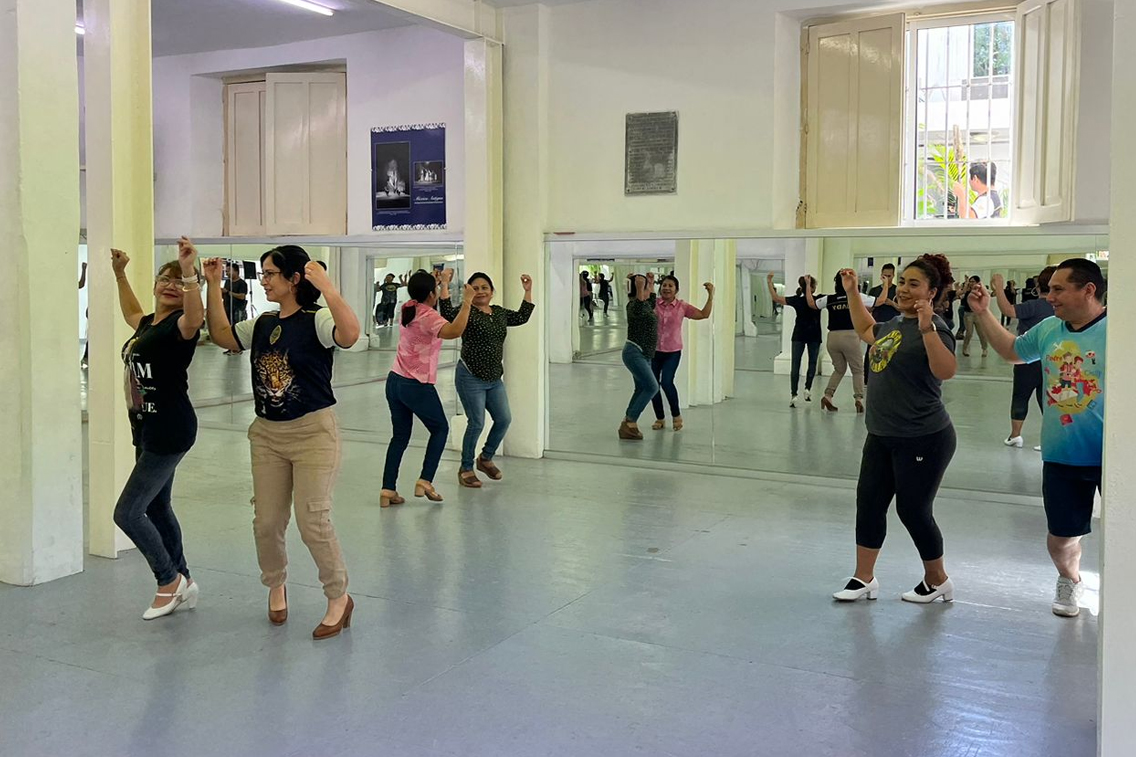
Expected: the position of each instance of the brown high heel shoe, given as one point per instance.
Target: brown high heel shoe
(488, 468)
(826, 403)
(659, 425)
(629, 431)
(469, 479)
(676, 423)
(327, 632)
(278, 617)
(388, 498)
(426, 489)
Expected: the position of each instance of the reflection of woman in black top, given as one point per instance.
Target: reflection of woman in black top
(605, 291)
(910, 437)
(806, 334)
(162, 421)
(294, 439)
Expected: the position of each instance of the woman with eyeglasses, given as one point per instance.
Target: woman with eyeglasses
(296, 447)
(411, 383)
(162, 421)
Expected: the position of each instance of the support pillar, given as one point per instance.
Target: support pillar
(41, 517)
(526, 79)
(483, 158)
(1117, 661)
(120, 213)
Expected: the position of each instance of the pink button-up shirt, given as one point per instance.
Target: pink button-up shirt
(419, 345)
(670, 316)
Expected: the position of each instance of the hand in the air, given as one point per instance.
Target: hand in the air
(526, 282)
(118, 261)
(926, 313)
(850, 281)
(315, 273)
(214, 269)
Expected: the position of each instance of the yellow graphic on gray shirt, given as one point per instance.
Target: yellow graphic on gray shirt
(884, 350)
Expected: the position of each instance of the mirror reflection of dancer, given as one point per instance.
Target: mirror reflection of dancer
(411, 383)
(843, 341)
(1027, 376)
(479, 373)
(910, 436)
(605, 292)
(1071, 349)
(806, 334)
(970, 324)
(162, 420)
(670, 312)
(388, 291)
(642, 340)
(586, 297)
(294, 439)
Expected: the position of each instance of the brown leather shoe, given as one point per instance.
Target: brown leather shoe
(279, 617)
(629, 431)
(327, 632)
(488, 468)
(469, 479)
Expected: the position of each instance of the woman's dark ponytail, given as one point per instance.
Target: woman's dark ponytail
(420, 287)
(291, 259)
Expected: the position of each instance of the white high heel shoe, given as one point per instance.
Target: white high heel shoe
(925, 595)
(186, 593)
(857, 588)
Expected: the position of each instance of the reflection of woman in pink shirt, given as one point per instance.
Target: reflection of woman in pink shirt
(410, 384)
(670, 311)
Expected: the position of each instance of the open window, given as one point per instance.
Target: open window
(286, 155)
(952, 119)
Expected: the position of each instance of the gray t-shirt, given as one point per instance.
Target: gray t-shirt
(907, 399)
(1030, 313)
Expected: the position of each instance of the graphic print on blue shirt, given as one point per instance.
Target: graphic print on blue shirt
(1073, 366)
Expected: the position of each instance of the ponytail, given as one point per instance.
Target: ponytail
(420, 287)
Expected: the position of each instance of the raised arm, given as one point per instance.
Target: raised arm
(193, 309)
(457, 328)
(1000, 339)
(520, 316)
(346, 324)
(861, 317)
(1004, 303)
(83, 277)
(645, 287)
(809, 299)
(445, 305)
(940, 358)
(773, 290)
(704, 313)
(220, 332)
(127, 302)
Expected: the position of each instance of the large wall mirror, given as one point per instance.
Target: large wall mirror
(733, 377)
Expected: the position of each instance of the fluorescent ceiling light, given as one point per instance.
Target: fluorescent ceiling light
(310, 7)
(80, 30)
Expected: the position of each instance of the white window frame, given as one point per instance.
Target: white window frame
(910, 114)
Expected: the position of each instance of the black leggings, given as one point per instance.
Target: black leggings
(909, 469)
(664, 365)
(1027, 380)
(795, 366)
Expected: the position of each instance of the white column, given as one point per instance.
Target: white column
(724, 314)
(41, 513)
(526, 194)
(483, 158)
(745, 304)
(1117, 698)
(120, 213)
(563, 297)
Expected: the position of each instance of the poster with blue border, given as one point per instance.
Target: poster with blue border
(408, 177)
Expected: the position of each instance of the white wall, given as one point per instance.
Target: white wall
(731, 70)
(408, 75)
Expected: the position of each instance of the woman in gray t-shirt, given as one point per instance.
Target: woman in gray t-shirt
(1028, 378)
(910, 437)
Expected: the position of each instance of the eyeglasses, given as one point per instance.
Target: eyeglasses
(266, 276)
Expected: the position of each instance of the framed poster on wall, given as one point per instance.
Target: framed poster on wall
(408, 177)
(651, 154)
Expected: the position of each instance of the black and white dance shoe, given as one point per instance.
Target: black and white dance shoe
(924, 594)
(857, 589)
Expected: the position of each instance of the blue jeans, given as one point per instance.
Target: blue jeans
(795, 369)
(664, 365)
(145, 514)
(476, 397)
(408, 398)
(645, 384)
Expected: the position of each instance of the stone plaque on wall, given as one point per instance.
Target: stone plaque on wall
(651, 153)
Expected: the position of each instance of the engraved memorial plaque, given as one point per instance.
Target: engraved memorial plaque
(651, 153)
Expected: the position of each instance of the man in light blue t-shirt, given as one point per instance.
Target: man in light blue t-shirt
(1071, 349)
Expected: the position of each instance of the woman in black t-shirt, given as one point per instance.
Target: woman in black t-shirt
(806, 334)
(642, 341)
(162, 420)
(910, 437)
(295, 437)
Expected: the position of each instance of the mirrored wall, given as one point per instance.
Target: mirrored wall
(733, 378)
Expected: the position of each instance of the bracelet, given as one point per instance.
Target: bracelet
(190, 287)
(120, 278)
(189, 279)
(928, 330)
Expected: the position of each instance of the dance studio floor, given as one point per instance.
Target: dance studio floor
(572, 609)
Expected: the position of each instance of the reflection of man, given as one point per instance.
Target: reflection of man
(1071, 349)
(234, 295)
(887, 308)
(988, 203)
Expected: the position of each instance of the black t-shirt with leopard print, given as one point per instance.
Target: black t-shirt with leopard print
(291, 362)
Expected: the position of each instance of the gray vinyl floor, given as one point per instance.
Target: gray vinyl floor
(571, 609)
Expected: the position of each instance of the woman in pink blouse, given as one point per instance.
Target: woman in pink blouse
(670, 311)
(410, 384)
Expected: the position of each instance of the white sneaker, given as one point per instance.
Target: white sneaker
(1037, 448)
(1067, 597)
(793, 401)
(1014, 441)
(924, 594)
(808, 396)
(856, 589)
(186, 593)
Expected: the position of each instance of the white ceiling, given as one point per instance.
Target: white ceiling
(195, 26)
